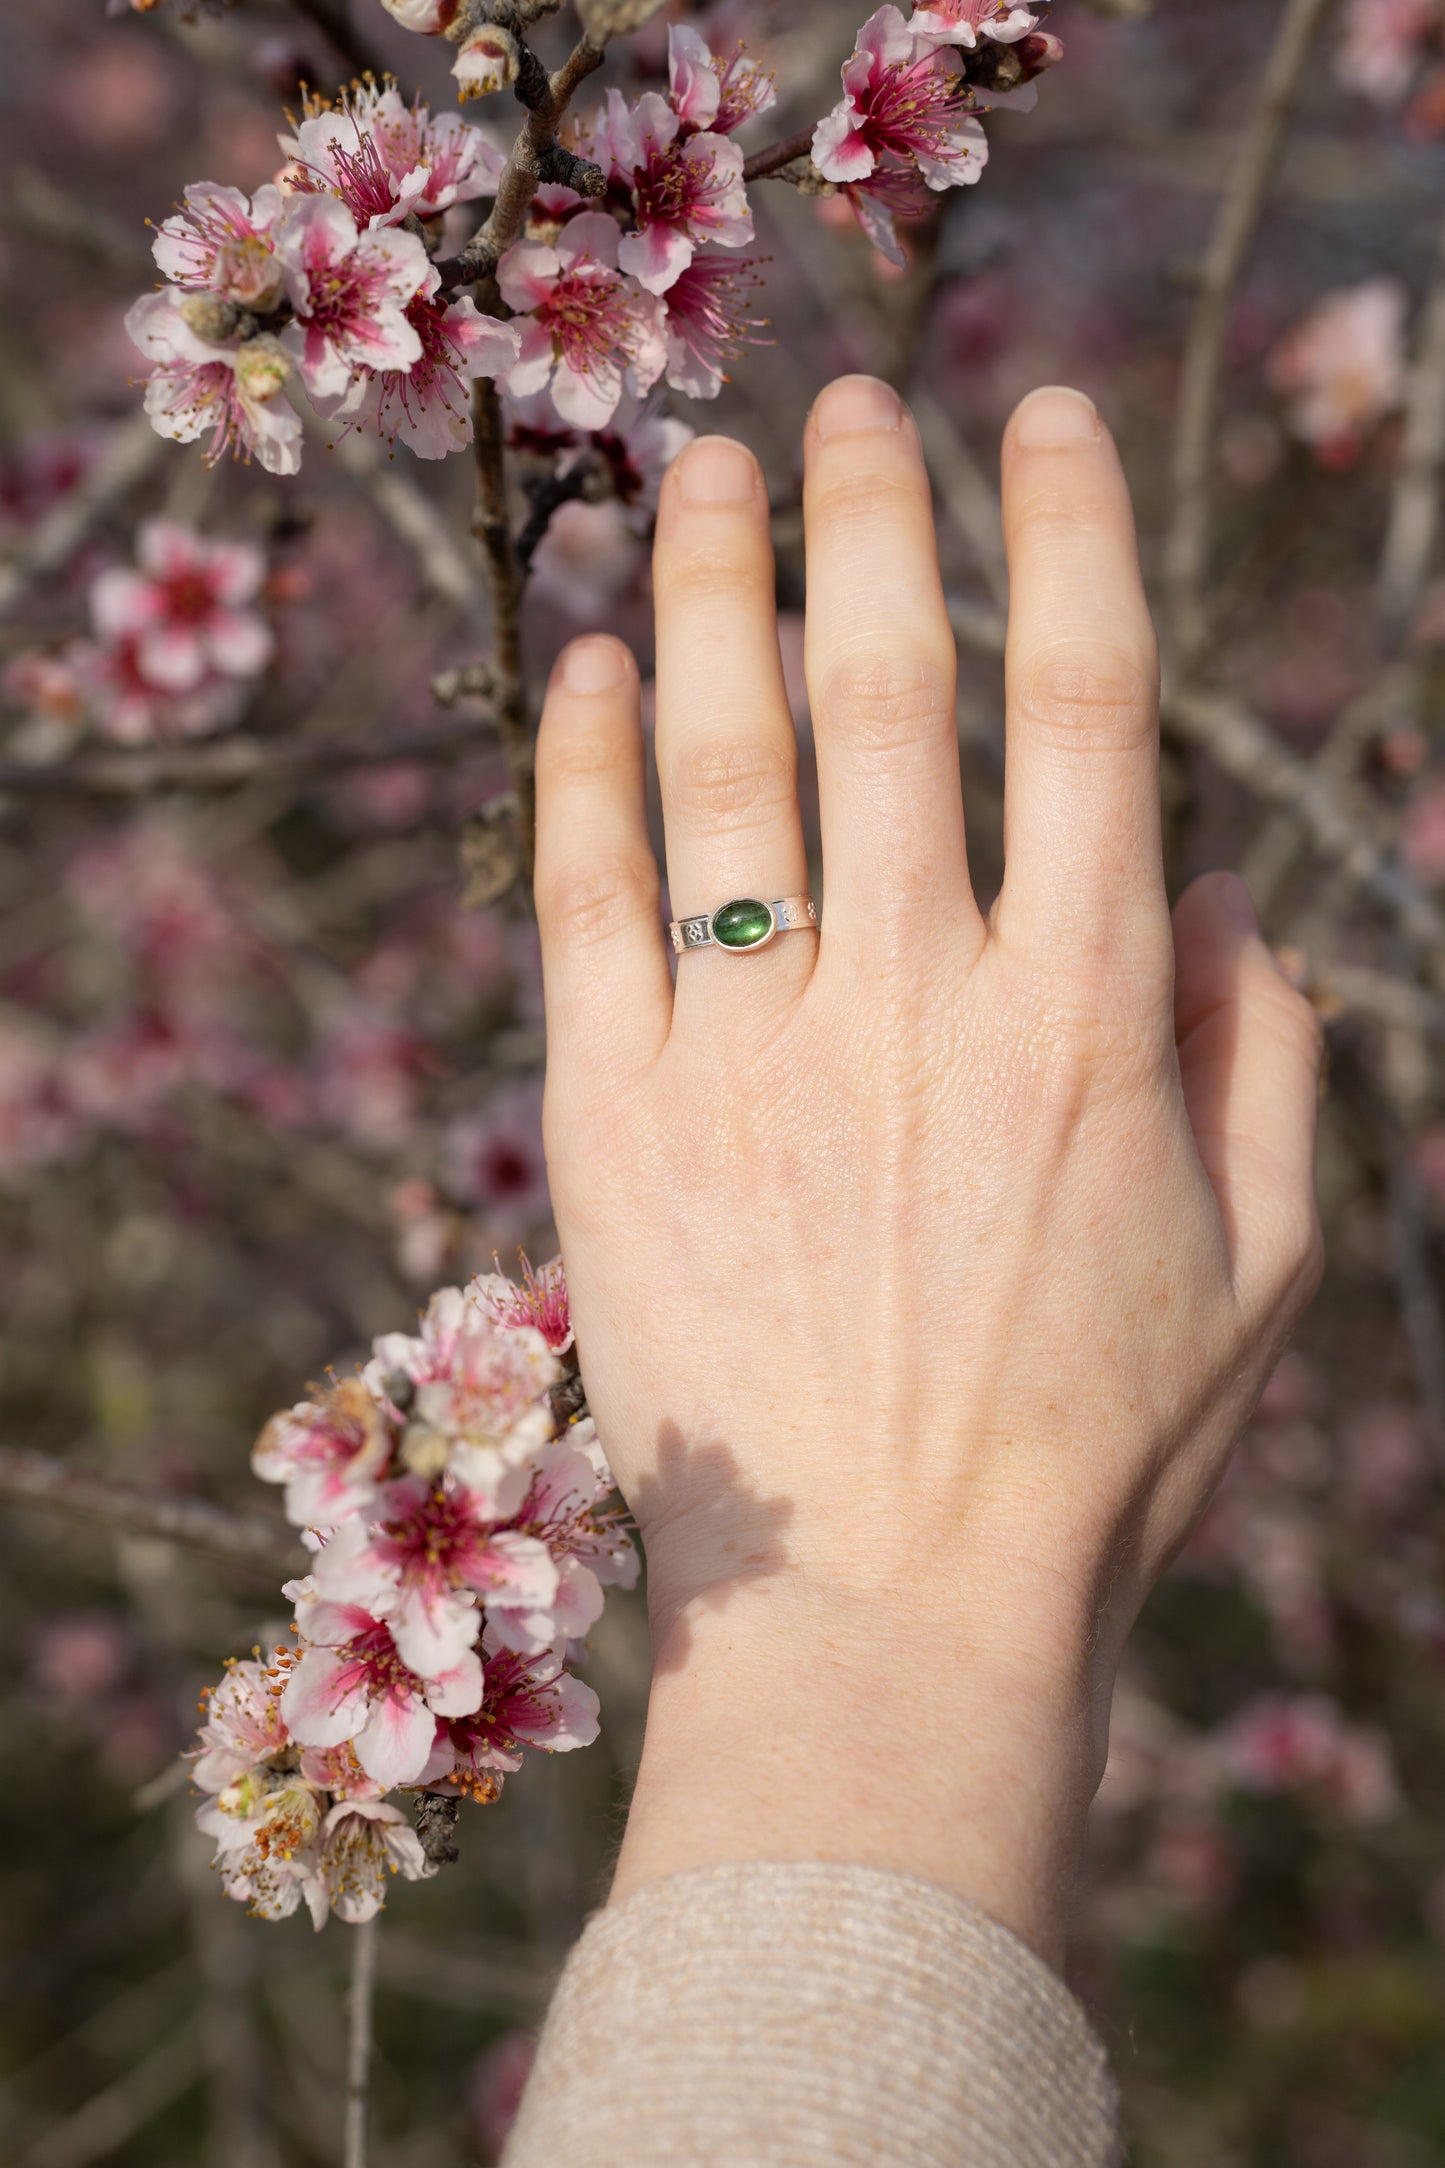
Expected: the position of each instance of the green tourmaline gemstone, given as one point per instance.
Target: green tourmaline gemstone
(742, 924)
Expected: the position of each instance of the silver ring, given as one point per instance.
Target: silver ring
(743, 924)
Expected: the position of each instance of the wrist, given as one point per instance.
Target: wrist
(791, 1720)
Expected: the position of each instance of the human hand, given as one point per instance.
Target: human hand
(923, 1269)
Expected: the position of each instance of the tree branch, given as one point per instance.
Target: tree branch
(492, 526)
(360, 2000)
(1353, 839)
(1415, 500)
(1356, 841)
(774, 156)
(229, 762)
(256, 1539)
(1186, 555)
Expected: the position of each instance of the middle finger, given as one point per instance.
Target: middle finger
(727, 754)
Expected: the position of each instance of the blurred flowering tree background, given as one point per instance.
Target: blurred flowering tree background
(270, 1021)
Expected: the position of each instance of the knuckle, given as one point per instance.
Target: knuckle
(587, 903)
(578, 756)
(728, 781)
(867, 498)
(709, 577)
(884, 702)
(1089, 699)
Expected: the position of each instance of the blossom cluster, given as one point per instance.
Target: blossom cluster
(463, 1535)
(326, 277)
(321, 276)
(174, 644)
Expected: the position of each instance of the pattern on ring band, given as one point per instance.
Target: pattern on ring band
(787, 914)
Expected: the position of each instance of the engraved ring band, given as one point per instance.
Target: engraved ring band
(743, 924)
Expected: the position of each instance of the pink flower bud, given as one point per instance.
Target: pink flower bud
(1039, 50)
(431, 17)
(487, 60)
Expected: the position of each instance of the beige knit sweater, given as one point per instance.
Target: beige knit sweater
(811, 2016)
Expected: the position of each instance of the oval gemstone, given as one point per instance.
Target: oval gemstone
(742, 924)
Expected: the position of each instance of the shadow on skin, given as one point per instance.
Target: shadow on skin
(699, 1496)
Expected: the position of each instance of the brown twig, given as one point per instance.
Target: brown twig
(1414, 519)
(492, 526)
(546, 99)
(360, 2001)
(1355, 840)
(228, 763)
(254, 1538)
(1186, 556)
(775, 156)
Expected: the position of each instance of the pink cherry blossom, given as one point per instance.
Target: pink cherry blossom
(223, 243)
(687, 189)
(541, 1301)
(708, 93)
(903, 99)
(1285, 1743)
(526, 1702)
(705, 324)
(432, 1550)
(351, 1683)
(1343, 368)
(494, 1160)
(428, 406)
(185, 609)
(636, 450)
(350, 290)
(1382, 46)
(234, 393)
(385, 158)
(965, 22)
(127, 707)
(587, 332)
(243, 1727)
(362, 1842)
(331, 1454)
(268, 1852)
(477, 1394)
(890, 192)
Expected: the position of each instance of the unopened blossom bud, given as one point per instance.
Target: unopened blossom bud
(487, 60)
(263, 368)
(211, 316)
(1039, 50)
(424, 1451)
(431, 17)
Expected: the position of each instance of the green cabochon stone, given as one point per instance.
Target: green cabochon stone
(742, 924)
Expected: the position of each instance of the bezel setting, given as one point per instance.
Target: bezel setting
(743, 948)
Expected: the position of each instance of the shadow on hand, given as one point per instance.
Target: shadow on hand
(701, 1506)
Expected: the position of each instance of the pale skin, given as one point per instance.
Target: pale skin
(925, 1268)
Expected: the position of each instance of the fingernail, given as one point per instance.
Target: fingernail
(857, 403)
(1054, 415)
(593, 666)
(716, 471)
(1236, 905)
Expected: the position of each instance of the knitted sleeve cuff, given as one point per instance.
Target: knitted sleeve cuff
(802, 2014)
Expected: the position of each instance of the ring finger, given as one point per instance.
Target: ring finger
(726, 750)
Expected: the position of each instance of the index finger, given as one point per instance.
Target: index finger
(1082, 849)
